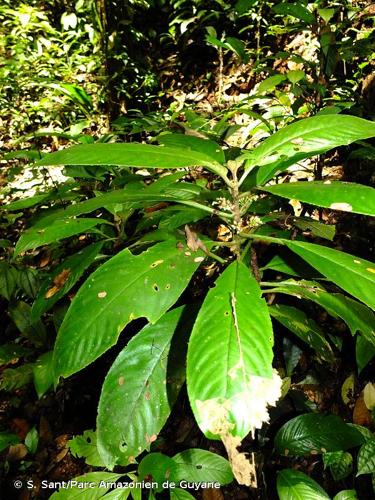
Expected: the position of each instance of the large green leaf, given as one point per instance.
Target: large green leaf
(295, 485)
(63, 278)
(36, 236)
(197, 465)
(314, 433)
(305, 328)
(356, 276)
(126, 287)
(346, 196)
(357, 316)
(306, 138)
(132, 155)
(366, 458)
(230, 354)
(189, 142)
(138, 393)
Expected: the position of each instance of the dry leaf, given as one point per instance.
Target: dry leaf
(17, 452)
(58, 282)
(361, 415)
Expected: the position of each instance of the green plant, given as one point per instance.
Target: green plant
(149, 227)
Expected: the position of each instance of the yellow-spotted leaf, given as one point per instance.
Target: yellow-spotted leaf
(344, 196)
(126, 287)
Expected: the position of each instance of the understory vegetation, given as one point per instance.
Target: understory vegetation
(186, 249)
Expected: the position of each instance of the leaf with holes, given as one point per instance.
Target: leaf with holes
(146, 285)
(85, 446)
(143, 381)
(313, 434)
(305, 328)
(201, 466)
(229, 364)
(366, 458)
(354, 275)
(60, 229)
(304, 139)
(295, 485)
(345, 196)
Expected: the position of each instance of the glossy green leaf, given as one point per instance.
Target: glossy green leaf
(189, 142)
(36, 237)
(85, 446)
(132, 155)
(101, 480)
(7, 439)
(197, 465)
(240, 343)
(305, 328)
(157, 468)
(340, 464)
(295, 485)
(305, 138)
(143, 381)
(63, 278)
(366, 458)
(345, 196)
(346, 495)
(43, 373)
(146, 285)
(314, 433)
(356, 276)
(357, 316)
